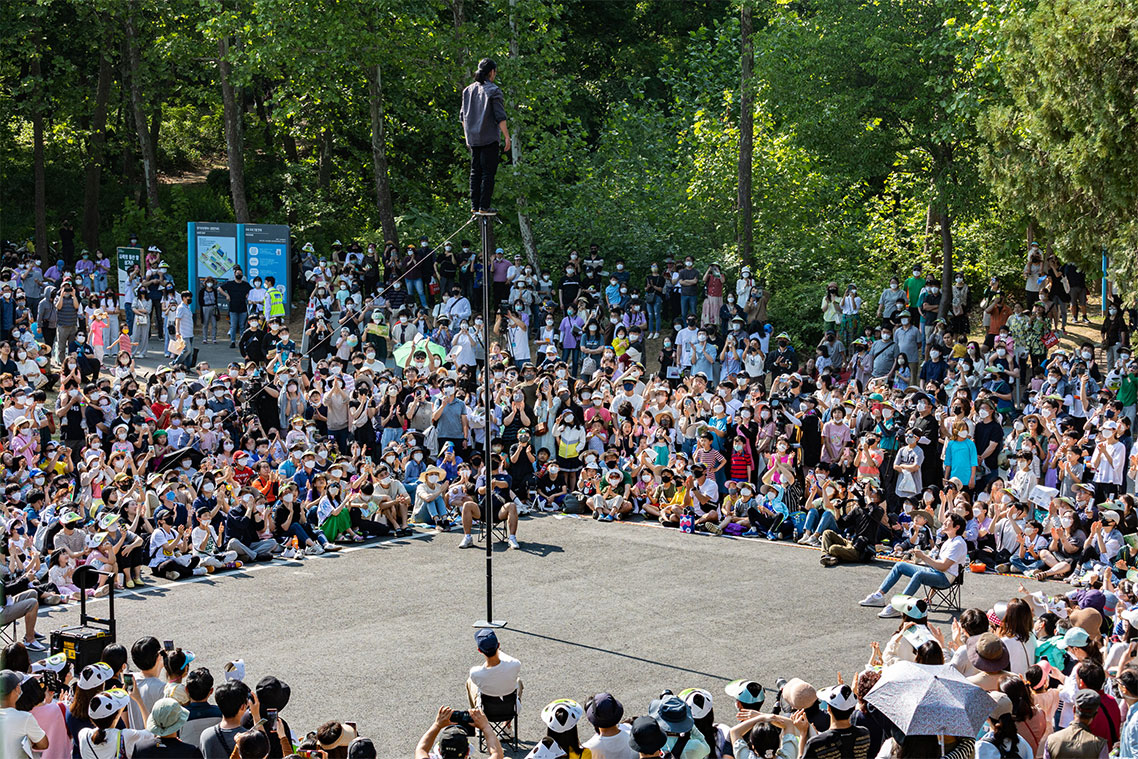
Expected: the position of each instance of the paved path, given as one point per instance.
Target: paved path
(382, 634)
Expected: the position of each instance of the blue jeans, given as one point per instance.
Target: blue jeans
(654, 308)
(186, 357)
(313, 527)
(237, 325)
(416, 286)
(303, 536)
(819, 520)
(436, 509)
(1022, 566)
(932, 578)
(688, 305)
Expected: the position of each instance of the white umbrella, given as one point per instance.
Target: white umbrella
(930, 699)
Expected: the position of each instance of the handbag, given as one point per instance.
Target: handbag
(433, 286)
(1050, 339)
(540, 429)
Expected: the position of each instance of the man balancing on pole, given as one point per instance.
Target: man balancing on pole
(483, 116)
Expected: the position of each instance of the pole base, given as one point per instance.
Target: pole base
(496, 623)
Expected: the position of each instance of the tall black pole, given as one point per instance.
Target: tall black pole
(488, 502)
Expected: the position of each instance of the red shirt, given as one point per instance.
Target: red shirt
(1107, 724)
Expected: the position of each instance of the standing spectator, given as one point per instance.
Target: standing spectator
(1033, 274)
(689, 288)
(236, 293)
(483, 117)
(17, 726)
(1077, 282)
(207, 300)
(184, 328)
(67, 318)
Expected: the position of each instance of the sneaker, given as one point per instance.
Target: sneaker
(713, 528)
(513, 541)
(172, 575)
(888, 612)
(313, 550)
(1004, 568)
(804, 540)
(467, 541)
(34, 645)
(130, 584)
(773, 536)
(596, 515)
(750, 534)
(876, 598)
(232, 344)
(815, 542)
(332, 547)
(288, 553)
(607, 518)
(829, 561)
(200, 571)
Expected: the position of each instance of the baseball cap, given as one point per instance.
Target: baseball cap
(167, 716)
(1087, 702)
(1075, 637)
(799, 694)
(486, 640)
(562, 715)
(9, 681)
(646, 737)
(94, 675)
(362, 748)
(603, 710)
(453, 743)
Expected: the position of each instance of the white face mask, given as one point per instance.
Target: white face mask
(782, 447)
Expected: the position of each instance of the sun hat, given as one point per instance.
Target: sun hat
(94, 675)
(698, 700)
(272, 693)
(910, 606)
(840, 697)
(604, 710)
(235, 670)
(799, 694)
(1075, 637)
(347, 735)
(1131, 616)
(646, 737)
(167, 717)
(1088, 619)
(672, 714)
(562, 715)
(997, 613)
(987, 653)
(108, 703)
(70, 517)
(746, 691)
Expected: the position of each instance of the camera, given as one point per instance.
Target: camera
(461, 718)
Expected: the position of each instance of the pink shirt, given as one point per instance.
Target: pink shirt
(97, 328)
(50, 718)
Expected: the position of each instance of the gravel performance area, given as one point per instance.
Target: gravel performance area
(381, 634)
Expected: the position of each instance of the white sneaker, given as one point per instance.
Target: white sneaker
(313, 550)
(467, 541)
(288, 553)
(513, 541)
(888, 612)
(876, 598)
(200, 571)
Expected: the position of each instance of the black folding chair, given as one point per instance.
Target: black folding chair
(947, 599)
(502, 714)
(499, 530)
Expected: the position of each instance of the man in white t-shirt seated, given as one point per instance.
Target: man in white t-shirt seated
(942, 569)
(498, 677)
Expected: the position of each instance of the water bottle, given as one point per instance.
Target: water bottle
(687, 523)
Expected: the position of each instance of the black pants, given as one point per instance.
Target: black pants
(483, 167)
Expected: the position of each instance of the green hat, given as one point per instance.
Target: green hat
(167, 717)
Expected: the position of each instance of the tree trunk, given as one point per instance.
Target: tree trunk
(155, 126)
(930, 225)
(263, 115)
(524, 228)
(234, 150)
(379, 157)
(946, 260)
(746, 138)
(40, 178)
(324, 161)
(1030, 232)
(95, 145)
(146, 146)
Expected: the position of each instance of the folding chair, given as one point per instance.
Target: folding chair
(502, 714)
(947, 599)
(500, 530)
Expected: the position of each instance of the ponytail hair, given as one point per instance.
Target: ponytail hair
(1006, 733)
(485, 66)
(101, 727)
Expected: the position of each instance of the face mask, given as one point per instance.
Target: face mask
(782, 447)
(885, 336)
(568, 418)
(417, 456)
(1087, 355)
(1066, 521)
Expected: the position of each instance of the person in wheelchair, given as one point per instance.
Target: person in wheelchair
(503, 503)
